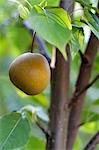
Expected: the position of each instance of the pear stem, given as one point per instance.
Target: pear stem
(34, 34)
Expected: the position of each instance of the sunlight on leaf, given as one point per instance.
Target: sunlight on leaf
(24, 12)
(90, 127)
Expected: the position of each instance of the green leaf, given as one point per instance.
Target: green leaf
(50, 2)
(93, 22)
(14, 131)
(43, 3)
(24, 12)
(49, 24)
(42, 99)
(90, 127)
(77, 40)
(88, 5)
(35, 144)
(84, 2)
(60, 16)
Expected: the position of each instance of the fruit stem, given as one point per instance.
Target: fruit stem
(34, 33)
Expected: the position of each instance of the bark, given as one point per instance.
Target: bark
(93, 142)
(58, 113)
(82, 81)
(59, 107)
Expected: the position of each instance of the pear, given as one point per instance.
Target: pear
(30, 72)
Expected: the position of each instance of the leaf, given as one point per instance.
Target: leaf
(90, 127)
(41, 99)
(88, 4)
(24, 12)
(77, 40)
(60, 16)
(49, 24)
(50, 2)
(35, 144)
(93, 22)
(43, 3)
(84, 2)
(14, 131)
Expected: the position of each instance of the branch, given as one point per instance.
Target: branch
(81, 83)
(42, 128)
(75, 98)
(58, 113)
(41, 44)
(93, 142)
(83, 58)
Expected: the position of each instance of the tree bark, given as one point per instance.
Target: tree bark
(82, 81)
(58, 114)
(59, 100)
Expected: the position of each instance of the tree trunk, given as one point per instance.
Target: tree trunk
(60, 81)
(64, 121)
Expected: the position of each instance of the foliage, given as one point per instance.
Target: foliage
(18, 129)
(11, 125)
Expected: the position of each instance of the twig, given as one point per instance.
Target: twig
(93, 142)
(42, 128)
(80, 124)
(74, 99)
(33, 41)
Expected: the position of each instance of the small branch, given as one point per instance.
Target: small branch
(42, 128)
(93, 142)
(80, 124)
(34, 33)
(74, 99)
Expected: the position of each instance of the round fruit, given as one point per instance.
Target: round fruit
(30, 72)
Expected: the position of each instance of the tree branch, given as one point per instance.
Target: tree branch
(75, 98)
(45, 131)
(81, 83)
(93, 142)
(58, 113)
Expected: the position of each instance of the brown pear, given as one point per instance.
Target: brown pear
(30, 72)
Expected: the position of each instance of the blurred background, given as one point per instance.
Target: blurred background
(15, 39)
